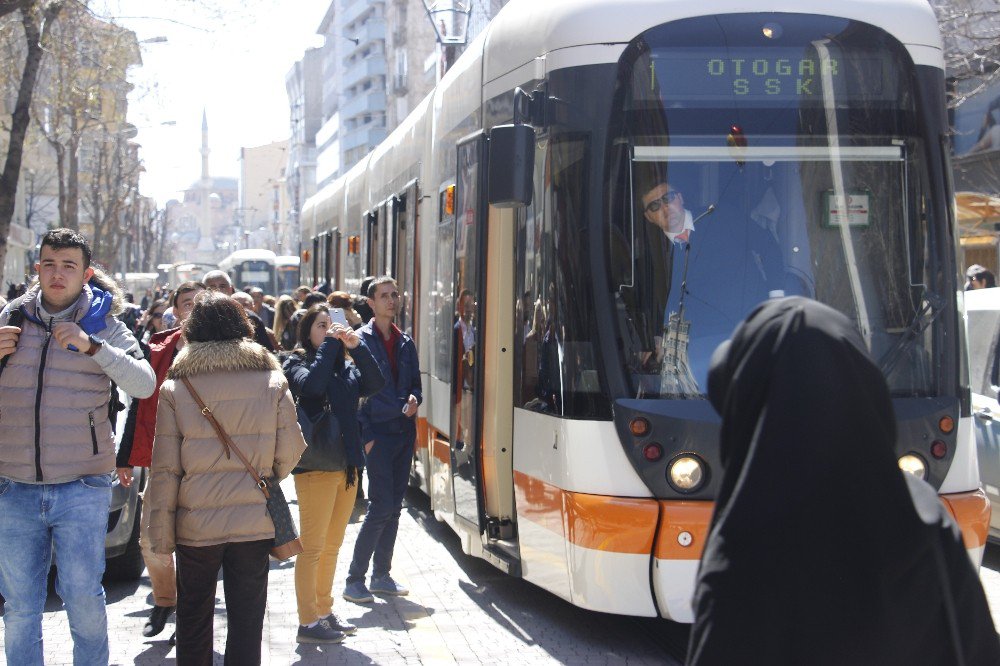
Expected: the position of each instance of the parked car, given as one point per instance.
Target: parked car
(982, 307)
(121, 545)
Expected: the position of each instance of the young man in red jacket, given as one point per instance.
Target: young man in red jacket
(136, 450)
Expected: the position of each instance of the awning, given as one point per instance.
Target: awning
(977, 213)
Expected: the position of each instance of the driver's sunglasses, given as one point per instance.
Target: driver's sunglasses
(666, 199)
(157, 315)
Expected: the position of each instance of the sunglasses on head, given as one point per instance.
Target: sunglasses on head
(666, 199)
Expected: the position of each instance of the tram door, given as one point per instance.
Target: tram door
(469, 284)
(404, 222)
(374, 251)
(329, 273)
(314, 277)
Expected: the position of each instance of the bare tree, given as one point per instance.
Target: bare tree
(83, 96)
(113, 171)
(36, 17)
(971, 32)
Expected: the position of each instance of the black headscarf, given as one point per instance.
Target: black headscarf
(821, 551)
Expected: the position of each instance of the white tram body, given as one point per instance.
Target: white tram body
(558, 497)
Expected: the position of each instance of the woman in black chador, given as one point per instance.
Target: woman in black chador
(821, 550)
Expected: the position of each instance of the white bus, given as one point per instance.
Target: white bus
(250, 268)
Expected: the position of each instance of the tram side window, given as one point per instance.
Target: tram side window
(557, 359)
(441, 303)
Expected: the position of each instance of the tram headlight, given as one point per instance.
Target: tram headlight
(686, 473)
(913, 464)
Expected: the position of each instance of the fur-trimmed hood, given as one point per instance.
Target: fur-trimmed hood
(200, 358)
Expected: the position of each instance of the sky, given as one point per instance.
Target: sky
(228, 57)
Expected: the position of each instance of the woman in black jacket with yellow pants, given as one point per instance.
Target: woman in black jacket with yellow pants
(322, 377)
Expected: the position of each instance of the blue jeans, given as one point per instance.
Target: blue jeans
(73, 518)
(388, 466)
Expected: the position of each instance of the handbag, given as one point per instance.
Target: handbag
(311, 425)
(286, 540)
(325, 450)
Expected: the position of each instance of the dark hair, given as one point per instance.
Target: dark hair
(340, 299)
(365, 283)
(158, 303)
(185, 287)
(314, 298)
(216, 317)
(62, 239)
(378, 282)
(305, 326)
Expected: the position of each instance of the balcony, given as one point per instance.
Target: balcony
(372, 30)
(356, 10)
(368, 135)
(369, 101)
(362, 70)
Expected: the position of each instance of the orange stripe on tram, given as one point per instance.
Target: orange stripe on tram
(598, 522)
(441, 450)
(972, 513)
(683, 529)
(423, 437)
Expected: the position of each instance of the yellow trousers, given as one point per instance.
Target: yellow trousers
(325, 505)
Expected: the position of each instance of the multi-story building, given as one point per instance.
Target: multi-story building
(412, 58)
(262, 184)
(79, 168)
(354, 85)
(303, 83)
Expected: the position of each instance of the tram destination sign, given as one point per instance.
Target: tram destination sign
(767, 75)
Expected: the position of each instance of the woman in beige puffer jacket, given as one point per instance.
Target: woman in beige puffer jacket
(205, 504)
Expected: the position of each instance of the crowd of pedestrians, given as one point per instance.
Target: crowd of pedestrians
(215, 375)
(232, 393)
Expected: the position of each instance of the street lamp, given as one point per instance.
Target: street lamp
(450, 19)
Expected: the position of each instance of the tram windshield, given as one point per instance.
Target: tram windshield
(762, 156)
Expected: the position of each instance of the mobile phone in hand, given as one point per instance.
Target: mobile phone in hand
(337, 317)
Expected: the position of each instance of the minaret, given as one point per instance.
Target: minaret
(204, 148)
(206, 246)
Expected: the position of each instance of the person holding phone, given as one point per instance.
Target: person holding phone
(323, 377)
(389, 430)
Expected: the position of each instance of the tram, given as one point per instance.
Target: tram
(286, 274)
(182, 271)
(568, 439)
(250, 268)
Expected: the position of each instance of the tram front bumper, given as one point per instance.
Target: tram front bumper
(971, 511)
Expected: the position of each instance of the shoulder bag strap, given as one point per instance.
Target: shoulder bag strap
(227, 442)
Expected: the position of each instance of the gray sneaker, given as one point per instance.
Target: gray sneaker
(386, 585)
(358, 593)
(341, 625)
(322, 632)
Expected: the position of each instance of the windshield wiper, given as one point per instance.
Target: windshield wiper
(932, 306)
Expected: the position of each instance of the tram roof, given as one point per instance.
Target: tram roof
(251, 255)
(527, 29)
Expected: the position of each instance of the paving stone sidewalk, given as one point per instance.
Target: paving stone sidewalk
(460, 610)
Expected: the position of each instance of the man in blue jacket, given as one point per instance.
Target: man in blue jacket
(388, 428)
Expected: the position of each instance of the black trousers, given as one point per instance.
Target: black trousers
(244, 578)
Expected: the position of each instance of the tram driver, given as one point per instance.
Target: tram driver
(708, 268)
